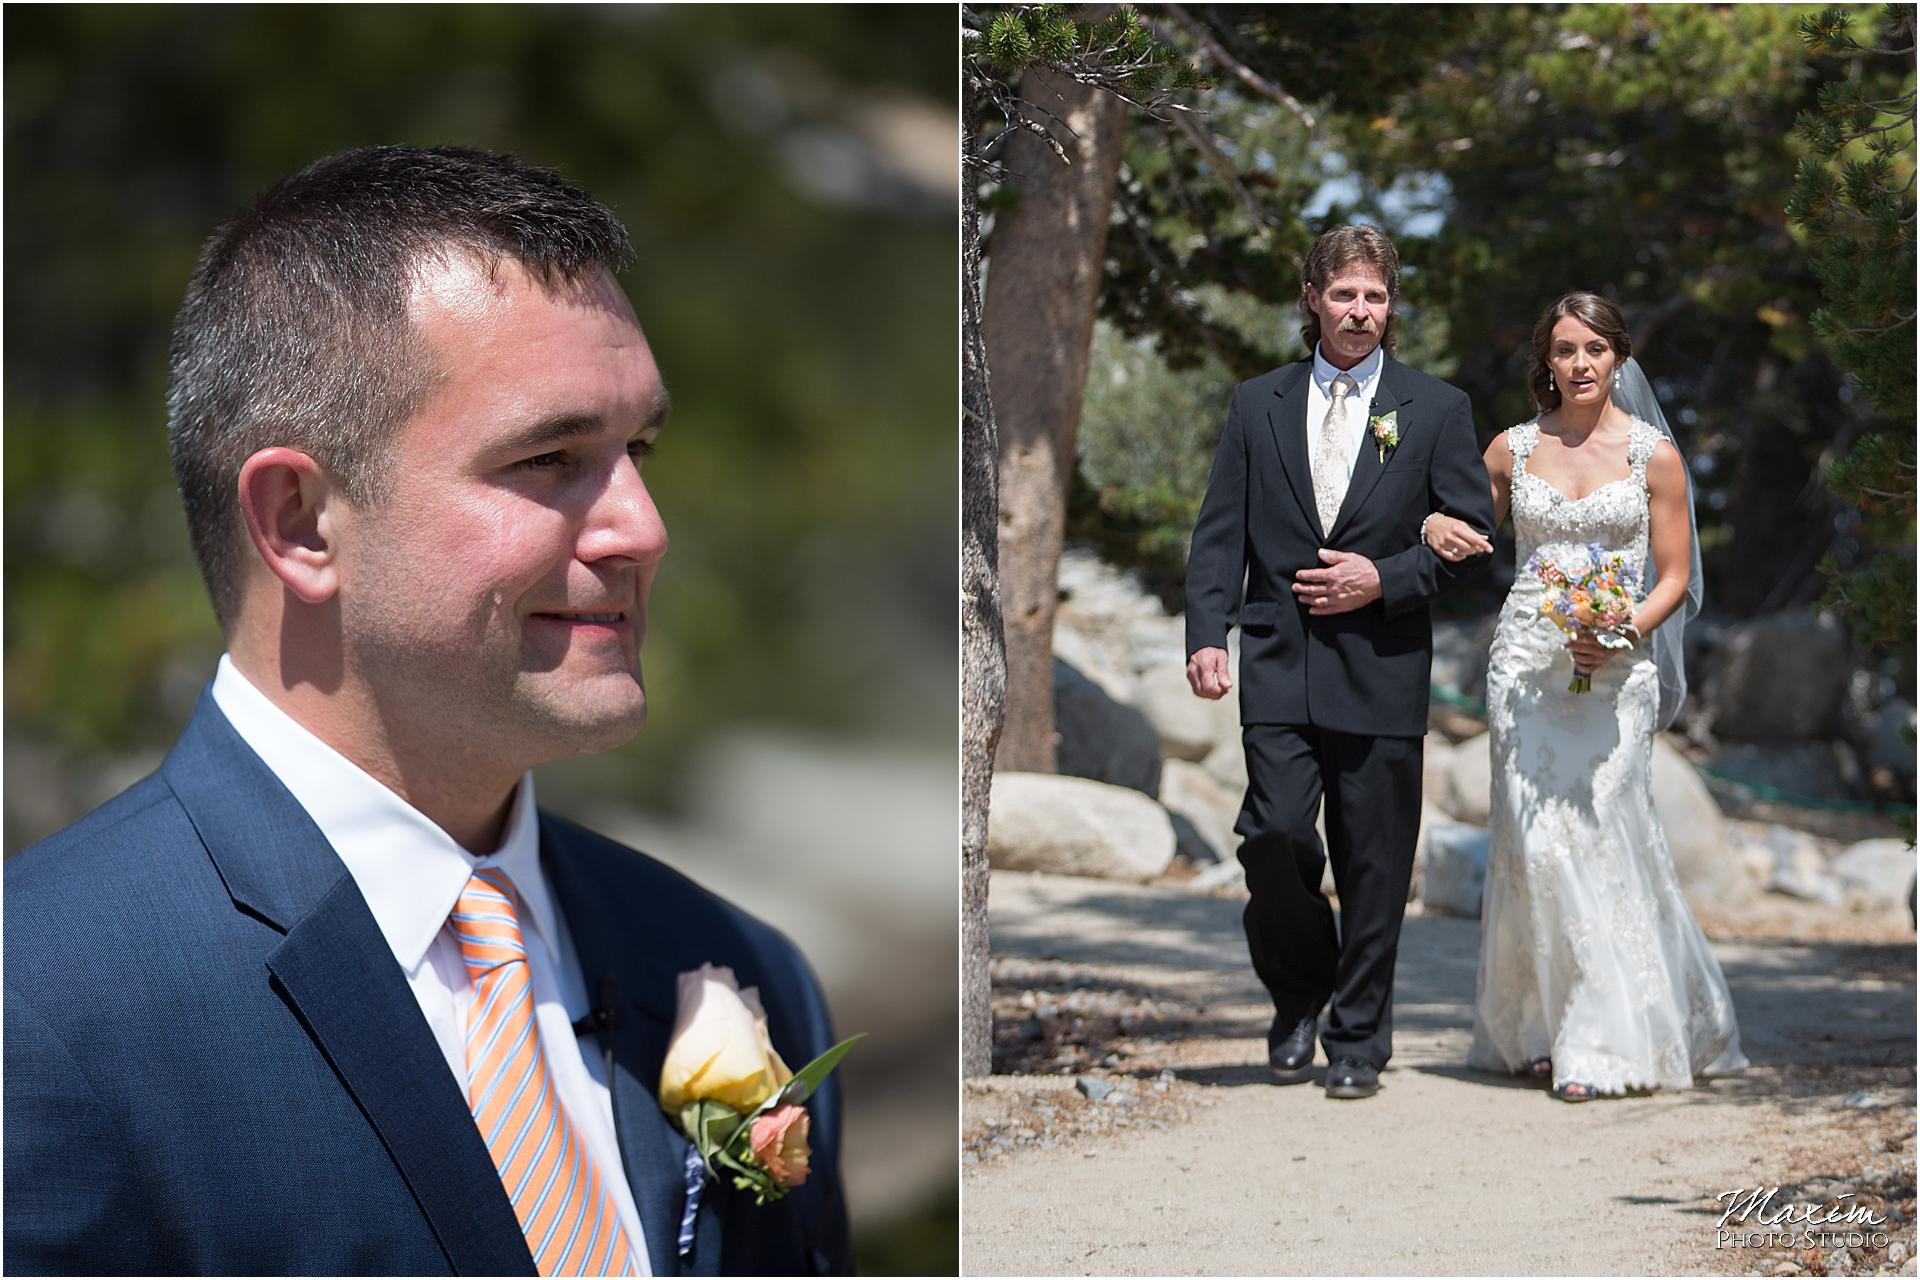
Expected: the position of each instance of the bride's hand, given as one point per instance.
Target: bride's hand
(1453, 539)
(1589, 655)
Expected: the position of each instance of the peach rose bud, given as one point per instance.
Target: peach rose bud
(779, 1141)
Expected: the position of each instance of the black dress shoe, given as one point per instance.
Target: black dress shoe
(1350, 1077)
(1290, 1049)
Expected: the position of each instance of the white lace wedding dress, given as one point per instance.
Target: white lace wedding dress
(1588, 954)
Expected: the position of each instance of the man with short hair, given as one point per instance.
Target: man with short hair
(1325, 473)
(327, 993)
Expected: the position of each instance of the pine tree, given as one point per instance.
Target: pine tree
(1853, 199)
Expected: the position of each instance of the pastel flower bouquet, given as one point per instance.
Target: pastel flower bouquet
(730, 1093)
(1594, 599)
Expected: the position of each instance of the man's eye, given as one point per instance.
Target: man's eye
(642, 448)
(545, 461)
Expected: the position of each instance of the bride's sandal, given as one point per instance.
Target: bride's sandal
(1574, 1091)
(1540, 1068)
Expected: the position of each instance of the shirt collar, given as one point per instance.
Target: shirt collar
(409, 870)
(1363, 373)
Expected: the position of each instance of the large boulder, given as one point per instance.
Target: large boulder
(1075, 826)
(1875, 874)
(1205, 809)
(1190, 727)
(1460, 656)
(1093, 591)
(1711, 867)
(1795, 866)
(1453, 868)
(1100, 737)
(1465, 777)
(1226, 764)
(1892, 743)
(1436, 758)
(1713, 870)
(1779, 678)
(1815, 770)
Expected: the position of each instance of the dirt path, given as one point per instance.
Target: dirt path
(1197, 1165)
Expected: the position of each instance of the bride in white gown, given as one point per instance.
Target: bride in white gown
(1592, 970)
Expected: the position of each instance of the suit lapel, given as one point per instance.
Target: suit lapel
(644, 954)
(1389, 396)
(1287, 421)
(340, 974)
(336, 970)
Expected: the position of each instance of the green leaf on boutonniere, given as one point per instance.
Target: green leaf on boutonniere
(808, 1078)
(710, 1125)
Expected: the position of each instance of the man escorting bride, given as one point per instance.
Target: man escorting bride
(1592, 973)
(1325, 470)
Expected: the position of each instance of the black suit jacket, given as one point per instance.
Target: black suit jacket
(1361, 672)
(215, 1066)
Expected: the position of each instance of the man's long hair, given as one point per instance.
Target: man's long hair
(1336, 250)
(294, 331)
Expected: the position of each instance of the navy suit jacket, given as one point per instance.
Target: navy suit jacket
(1365, 671)
(214, 1064)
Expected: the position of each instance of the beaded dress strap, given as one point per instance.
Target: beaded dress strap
(1520, 442)
(1642, 439)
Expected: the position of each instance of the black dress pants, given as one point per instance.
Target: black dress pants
(1372, 791)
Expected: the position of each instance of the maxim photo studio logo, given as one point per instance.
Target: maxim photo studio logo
(1764, 1219)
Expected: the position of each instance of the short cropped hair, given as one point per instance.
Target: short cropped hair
(1591, 310)
(294, 330)
(1336, 250)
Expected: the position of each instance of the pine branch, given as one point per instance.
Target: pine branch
(1247, 75)
(1889, 127)
(1224, 170)
(1870, 330)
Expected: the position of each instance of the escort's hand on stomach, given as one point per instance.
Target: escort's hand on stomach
(1348, 582)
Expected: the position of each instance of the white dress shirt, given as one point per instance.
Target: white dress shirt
(411, 873)
(1320, 399)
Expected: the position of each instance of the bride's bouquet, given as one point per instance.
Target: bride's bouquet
(1593, 599)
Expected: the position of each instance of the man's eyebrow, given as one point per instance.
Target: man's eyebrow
(657, 412)
(559, 428)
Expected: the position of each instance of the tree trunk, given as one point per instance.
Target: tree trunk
(1048, 253)
(983, 655)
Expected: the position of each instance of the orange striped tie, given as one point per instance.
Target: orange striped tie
(565, 1212)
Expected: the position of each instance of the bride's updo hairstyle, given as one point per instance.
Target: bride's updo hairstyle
(1591, 310)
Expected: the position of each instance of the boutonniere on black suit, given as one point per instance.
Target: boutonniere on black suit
(1386, 432)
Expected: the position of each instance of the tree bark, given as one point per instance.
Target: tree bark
(983, 656)
(1049, 250)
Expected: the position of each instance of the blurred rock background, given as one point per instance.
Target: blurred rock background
(1765, 785)
(788, 178)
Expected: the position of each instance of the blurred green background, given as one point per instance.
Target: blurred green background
(788, 176)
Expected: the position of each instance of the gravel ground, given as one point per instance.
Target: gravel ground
(1195, 1164)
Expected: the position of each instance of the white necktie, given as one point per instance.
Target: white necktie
(1330, 455)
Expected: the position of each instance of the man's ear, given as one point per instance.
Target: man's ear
(286, 498)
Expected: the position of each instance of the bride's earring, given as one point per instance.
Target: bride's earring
(1550, 385)
(1616, 379)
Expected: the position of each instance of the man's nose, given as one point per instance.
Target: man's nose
(623, 523)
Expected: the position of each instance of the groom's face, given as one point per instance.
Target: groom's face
(1353, 311)
(500, 591)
